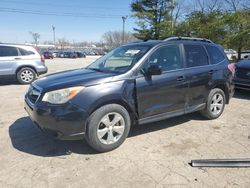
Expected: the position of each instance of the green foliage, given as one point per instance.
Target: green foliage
(153, 18)
(237, 26)
(230, 29)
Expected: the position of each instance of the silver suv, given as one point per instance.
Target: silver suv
(21, 62)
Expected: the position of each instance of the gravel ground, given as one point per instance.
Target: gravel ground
(154, 155)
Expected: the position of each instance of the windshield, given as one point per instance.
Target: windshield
(119, 60)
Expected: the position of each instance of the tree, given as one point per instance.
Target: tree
(35, 37)
(63, 42)
(155, 18)
(237, 28)
(113, 39)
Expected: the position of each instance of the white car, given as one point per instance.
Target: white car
(21, 62)
(231, 54)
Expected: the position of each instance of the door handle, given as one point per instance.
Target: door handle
(180, 78)
(211, 72)
(17, 58)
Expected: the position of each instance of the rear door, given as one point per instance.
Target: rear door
(198, 72)
(8, 58)
(160, 95)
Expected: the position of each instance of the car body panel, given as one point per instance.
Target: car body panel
(242, 75)
(146, 98)
(9, 65)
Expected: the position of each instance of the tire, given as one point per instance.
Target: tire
(26, 75)
(215, 104)
(108, 139)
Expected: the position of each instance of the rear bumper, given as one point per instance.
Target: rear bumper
(42, 70)
(64, 122)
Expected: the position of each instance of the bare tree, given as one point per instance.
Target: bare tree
(214, 5)
(62, 42)
(35, 37)
(113, 39)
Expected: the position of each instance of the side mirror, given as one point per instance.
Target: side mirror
(154, 69)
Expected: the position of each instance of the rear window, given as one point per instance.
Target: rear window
(8, 51)
(25, 52)
(215, 54)
(195, 55)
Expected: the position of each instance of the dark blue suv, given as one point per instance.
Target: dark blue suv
(136, 83)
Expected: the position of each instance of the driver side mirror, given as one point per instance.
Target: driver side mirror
(154, 69)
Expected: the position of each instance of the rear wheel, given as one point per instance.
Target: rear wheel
(215, 104)
(26, 75)
(108, 127)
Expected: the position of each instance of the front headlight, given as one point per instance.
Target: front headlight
(62, 95)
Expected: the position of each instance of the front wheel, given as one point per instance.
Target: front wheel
(215, 104)
(108, 127)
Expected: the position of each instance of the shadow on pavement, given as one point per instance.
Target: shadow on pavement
(27, 138)
(242, 94)
(8, 82)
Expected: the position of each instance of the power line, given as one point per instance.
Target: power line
(60, 5)
(67, 14)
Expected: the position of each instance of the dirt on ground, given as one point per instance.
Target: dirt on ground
(154, 155)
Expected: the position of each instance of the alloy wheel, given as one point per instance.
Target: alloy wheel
(110, 128)
(216, 104)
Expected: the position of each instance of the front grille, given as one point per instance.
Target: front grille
(243, 73)
(33, 94)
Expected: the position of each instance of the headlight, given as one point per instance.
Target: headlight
(62, 95)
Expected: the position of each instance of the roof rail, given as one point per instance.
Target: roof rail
(188, 38)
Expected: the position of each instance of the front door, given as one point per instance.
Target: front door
(160, 95)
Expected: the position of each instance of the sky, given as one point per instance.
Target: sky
(75, 20)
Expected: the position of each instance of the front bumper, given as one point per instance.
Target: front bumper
(66, 122)
(242, 83)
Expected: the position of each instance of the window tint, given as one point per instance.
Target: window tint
(25, 52)
(168, 57)
(8, 51)
(215, 54)
(195, 55)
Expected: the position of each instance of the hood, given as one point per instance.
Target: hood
(243, 64)
(78, 77)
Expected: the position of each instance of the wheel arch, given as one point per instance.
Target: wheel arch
(132, 113)
(224, 88)
(24, 66)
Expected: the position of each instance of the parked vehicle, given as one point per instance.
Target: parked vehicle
(61, 54)
(48, 55)
(158, 80)
(231, 54)
(80, 54)
(242, 75)
(21, 62)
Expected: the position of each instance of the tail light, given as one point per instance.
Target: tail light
(231, 67)
(41, 56)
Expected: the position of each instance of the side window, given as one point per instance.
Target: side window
(8, 51)
(215, 54)
(168, 57)
(25, 52)
(195, 55)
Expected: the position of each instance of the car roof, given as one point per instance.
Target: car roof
(172, 40)
(15, 45)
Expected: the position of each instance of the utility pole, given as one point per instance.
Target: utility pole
(54, 35)
(123, 28)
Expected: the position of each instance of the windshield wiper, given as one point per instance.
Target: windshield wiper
(96, 69)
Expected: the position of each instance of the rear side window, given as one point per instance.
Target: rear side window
(215, 54)
(25, 52)
(8, 51)
(195, 55)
